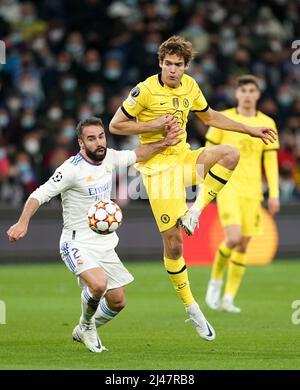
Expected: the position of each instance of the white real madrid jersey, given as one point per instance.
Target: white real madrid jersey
(80, 184)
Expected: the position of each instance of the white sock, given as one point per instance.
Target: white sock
(228, 298)
(88, 306)
(195, 208)
(104, 313)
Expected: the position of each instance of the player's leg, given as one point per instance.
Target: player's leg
(95, 282)
(251, 225)
(236, 271)
(216, 163)
(167, 205)
(110, 305)
(233, 235)
(177, 271)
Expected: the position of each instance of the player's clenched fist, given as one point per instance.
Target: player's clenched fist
(17, 231)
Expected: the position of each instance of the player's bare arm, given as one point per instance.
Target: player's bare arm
(217, 119)
(144, 152)
(19, 229)
(122, 125)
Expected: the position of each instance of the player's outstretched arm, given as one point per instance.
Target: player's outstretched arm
(144, 152)
(217, 119)
(122, 125)
(19, 229)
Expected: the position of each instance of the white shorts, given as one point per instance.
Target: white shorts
(79, 257)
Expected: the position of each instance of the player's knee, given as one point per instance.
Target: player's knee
(174, 247)
(117, 304)
(231, 156)
(98, 288)
(234, 240)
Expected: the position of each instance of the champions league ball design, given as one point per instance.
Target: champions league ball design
(104, 217)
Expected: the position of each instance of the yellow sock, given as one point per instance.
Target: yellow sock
(214, 181)
(236, 270)
(178, 274)
(221, 258)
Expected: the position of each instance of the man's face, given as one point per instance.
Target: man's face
(247, 95)
(93, 143)
(172, 69)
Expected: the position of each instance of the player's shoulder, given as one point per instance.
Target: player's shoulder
(266, 118)
(151, 83)
(230, 111)
(144, 87)
(73, 161)
(189, 80)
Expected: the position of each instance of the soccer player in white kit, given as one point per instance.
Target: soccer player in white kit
(82, 180)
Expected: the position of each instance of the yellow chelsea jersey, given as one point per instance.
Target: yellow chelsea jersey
(247, 176)
(152, 98)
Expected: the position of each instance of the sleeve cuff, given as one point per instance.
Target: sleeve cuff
(204, 109)
(126, 113)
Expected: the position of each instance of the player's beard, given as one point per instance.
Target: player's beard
(94, 156)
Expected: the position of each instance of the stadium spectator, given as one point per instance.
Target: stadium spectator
(57, 50)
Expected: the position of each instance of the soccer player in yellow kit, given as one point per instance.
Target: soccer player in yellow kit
(239, 203)
(162, 103)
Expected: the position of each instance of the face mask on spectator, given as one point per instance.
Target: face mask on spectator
(2, 153)
(75, 48)
(55, 113)
(4, 120)
(39, 44)
(95, 98)
(23, 167)
(27, 122)
(200, 78)
(227, 33)
(112, 73)
(69, 132)
(32, 146)
(84, 115)
(285, 99)
(208, 66)
(14, 104)
(69, 85)
(151, 48)
(93, 67)
(29, 87)
(28, 19)
(56, 35)
(63, 66)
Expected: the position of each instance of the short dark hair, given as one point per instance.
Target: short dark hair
(88, 122)
(247, 79)
(179, 46)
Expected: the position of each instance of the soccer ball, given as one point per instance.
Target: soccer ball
(104, 217)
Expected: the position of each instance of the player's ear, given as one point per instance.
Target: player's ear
(187, 66)
(160, 63)
(81, 144)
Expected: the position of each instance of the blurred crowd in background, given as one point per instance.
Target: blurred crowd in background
(69, 59)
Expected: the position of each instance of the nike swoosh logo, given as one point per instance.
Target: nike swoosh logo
(99, 345)
(210, 332)
(163, 103)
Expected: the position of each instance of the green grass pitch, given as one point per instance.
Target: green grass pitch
(43, 306)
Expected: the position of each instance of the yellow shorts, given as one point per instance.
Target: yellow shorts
(166, 188)
(235, 210)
